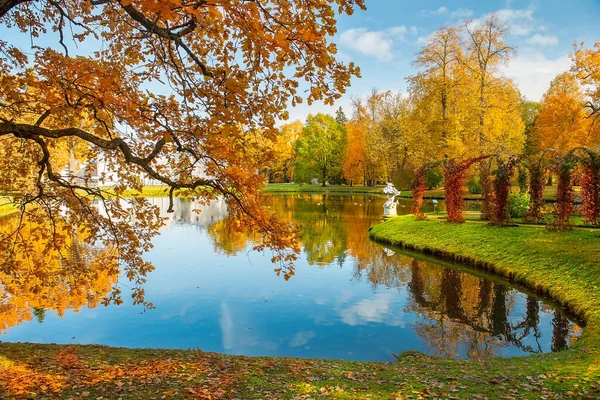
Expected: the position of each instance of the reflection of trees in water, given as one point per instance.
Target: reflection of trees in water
(377, 267)
(228, 237)
(334, 227)
(42, 278)
(322, 234)
(330, 227)
(462, 312)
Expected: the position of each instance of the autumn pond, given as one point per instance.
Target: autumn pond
(350, 298)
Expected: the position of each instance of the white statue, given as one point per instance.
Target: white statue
(389, 208)
(388, 252)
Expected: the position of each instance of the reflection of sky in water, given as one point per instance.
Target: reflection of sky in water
(344, 309)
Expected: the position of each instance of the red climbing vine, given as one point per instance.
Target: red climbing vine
(590, 191)
(417, 194)
(454, 175)
(564, 195)
(503, 174)
(536, 192)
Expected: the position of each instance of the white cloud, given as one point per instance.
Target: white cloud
(378, 44)
(375, 309)
(521, 22)
(301, 338)
(461, 13)
(423, 40)
(227, 327)
(440, 11)
(542, 40)
(533, 73)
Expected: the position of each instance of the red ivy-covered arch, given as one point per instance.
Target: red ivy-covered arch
(454, 175)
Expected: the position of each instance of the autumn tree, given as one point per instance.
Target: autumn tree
(391, 127)
(461, 107)
(438, 61)
(586, 67)
(486, 50)
(362, 156)
(354, 168)
(280, 165)
(562, 122)
(380, 121)
(320, 150)
(172, 89)
(431, 121)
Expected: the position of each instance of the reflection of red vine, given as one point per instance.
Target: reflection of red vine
(536, 193)
(455, 174)
(417, 194)
(499, 214)
(590, 193)
(564, 197)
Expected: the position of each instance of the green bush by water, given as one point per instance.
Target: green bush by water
(518, 205)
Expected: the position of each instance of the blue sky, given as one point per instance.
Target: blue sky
(384, 39)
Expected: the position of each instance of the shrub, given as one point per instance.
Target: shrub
(474, 184)
(433, 178)
(518, 205)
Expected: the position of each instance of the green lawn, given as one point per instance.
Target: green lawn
(562, 266)
(147, 191)
(303, 188)
(549, 191)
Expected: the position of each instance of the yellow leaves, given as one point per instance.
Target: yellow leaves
(68, 274)
(462, 106)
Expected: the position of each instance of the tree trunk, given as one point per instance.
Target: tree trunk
(564, 198)
(536, 193)
(500, 215)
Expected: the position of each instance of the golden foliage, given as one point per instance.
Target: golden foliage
(41, 278)
(562, 122)
(185, 93)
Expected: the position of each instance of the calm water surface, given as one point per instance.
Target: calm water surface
(350, 298)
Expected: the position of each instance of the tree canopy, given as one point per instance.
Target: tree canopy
(171, 90)
(320, 149)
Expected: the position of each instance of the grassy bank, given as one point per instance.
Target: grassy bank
(563, 266)
(333, 189)
(549, 191)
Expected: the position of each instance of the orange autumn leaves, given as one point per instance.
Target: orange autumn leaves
(563, 123)
(174, 91)
(69, 371)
